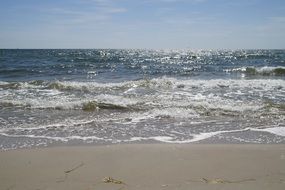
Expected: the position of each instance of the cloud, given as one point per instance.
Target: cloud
(87, 12)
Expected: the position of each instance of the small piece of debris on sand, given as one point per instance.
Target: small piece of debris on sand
(112, 180)
(75, 168)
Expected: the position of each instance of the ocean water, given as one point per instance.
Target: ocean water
(102, 96)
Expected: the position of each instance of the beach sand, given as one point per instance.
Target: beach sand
(149, 167)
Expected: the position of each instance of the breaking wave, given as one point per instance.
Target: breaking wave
(265, 71)
(227, 97)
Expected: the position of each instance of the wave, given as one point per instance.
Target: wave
(219, 96)
(155, 83)
(62, 139)
(265, 71)
(279, 131)
(254, 56)
(162, 108)
(80, 105)
(270, 105)
(64, 85)
(93, 105)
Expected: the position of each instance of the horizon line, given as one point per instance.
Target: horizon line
(196, 49)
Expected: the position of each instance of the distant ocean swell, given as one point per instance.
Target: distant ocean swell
(266, 71)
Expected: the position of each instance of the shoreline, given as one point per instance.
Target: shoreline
(145, 166)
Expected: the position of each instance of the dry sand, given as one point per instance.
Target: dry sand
(155, 166)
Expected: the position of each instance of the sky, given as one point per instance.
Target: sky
(151, 24)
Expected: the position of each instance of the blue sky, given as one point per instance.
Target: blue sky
(156, 24)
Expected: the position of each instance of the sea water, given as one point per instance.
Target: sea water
(105, 96)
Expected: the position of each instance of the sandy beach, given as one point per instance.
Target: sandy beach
(153, 166)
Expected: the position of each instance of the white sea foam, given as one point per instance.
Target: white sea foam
(280, 131)
(3, 83)
(159, 93)
(265, 84)
(116, 100)
(157, 138)
(52, 101)
(55, 138)
(171, 112)
(195, 137)
(35, 137)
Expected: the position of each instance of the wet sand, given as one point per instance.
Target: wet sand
(149, 167)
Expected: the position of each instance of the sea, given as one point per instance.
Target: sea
(66, 97)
